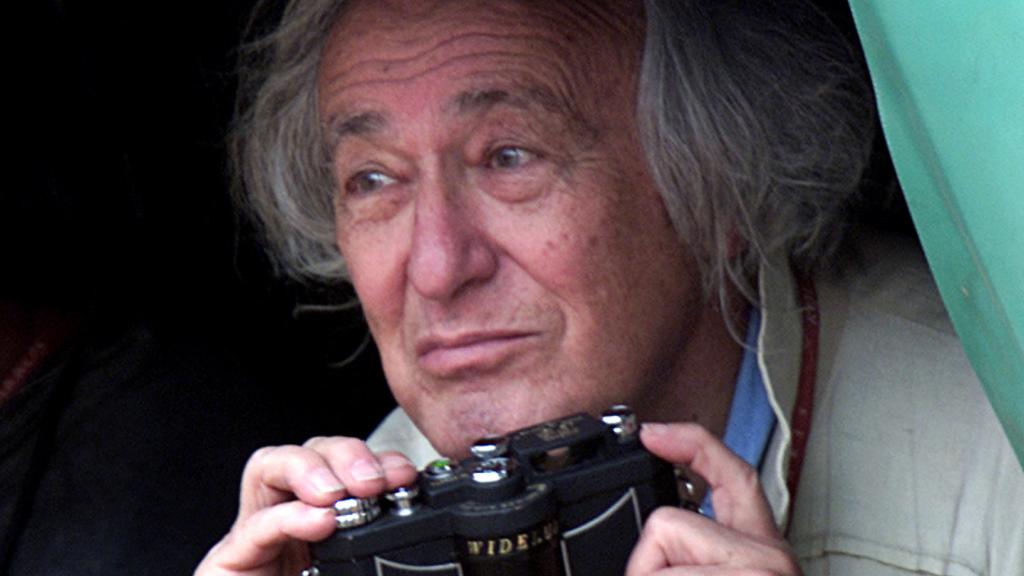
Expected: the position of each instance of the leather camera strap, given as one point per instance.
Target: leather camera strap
(802, 412)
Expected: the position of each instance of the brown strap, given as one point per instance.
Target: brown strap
(801, 418)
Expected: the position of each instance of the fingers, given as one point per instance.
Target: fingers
(744, 540)
(736, 492)
(286, 498)
(259, 541)
(362, 472)
(712, 571)
(319, 473)
(689, 543)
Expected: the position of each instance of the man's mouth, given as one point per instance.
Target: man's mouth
(450, 356)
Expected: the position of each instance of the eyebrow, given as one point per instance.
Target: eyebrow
(475, 101)
(339, 128)
(531, 97)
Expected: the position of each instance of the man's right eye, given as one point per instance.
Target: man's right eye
(367, 182)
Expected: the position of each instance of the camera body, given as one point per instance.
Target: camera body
(566, 497)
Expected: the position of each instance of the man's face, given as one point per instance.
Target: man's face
(511, 253)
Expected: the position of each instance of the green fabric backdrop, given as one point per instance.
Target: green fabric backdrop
(949, 78)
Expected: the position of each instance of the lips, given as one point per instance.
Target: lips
(450, 356)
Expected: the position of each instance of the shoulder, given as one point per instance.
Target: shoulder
(882, 320)
(907, 465)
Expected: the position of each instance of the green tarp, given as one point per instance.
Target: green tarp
(949, 78)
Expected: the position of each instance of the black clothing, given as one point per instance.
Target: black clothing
(123, 454)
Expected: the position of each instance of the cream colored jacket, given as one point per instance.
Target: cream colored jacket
(907, 469)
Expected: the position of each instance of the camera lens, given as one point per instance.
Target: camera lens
(517, 537)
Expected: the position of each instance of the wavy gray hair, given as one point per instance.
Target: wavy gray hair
(754, 116)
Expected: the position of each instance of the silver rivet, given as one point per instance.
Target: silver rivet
(490, 471)
(311, 571)
(489, 447)
(352, 512)
(404, 500)
(622, 421)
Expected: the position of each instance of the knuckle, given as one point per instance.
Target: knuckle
(779, 560)
(314, 441)
(662, 518)
(272, 460)
(748, 477)
(259, 458)
(349, 443)
(298, 460)
(789, 564)
(335, 444)
(263, 453)
(343, 449)
(701, 434)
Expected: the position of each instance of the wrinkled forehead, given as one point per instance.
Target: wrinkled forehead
(582, 42)
(608, 21)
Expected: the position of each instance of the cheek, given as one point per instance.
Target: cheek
(566, 263)
(621, 268)
(591, 258)
(374, 267)
(580, 269)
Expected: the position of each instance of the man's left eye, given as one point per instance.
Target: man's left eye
(508, 157)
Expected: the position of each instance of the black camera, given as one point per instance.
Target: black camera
(566, 497)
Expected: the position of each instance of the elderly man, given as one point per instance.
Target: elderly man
(547, 207)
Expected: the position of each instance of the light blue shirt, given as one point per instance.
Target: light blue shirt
(751, 419)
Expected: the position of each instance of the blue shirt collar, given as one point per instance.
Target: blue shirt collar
(751, 419)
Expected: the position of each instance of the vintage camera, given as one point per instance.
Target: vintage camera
(566, 497)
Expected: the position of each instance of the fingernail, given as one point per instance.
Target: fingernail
(325, 482)
(654, 427)
(393, 461)
(366, 469)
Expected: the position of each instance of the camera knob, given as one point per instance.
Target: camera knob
(440, 468)
(403, 500)
(352, 512)
(622, 421)
(491, 471)
(489, 447)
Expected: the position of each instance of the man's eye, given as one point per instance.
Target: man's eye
(508, 157)
(367, 182)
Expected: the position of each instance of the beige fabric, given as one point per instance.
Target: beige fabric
(397, 432)
(907, 469)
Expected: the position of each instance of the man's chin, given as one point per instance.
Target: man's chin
(455, 438)
(461, 428)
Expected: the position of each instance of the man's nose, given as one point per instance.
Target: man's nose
(450, 250)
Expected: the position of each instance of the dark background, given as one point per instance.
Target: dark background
(188, 353)
(122, 111)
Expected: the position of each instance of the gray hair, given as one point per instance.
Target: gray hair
(278, 155)
(757, 124)
(754, 117)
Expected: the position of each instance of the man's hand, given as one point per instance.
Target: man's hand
(744, 540)
(286, 499)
